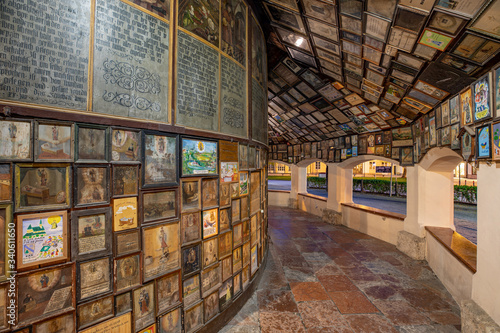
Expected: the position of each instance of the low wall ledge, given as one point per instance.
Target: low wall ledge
(376, 211)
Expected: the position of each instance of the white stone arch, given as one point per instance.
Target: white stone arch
(440, 159)
(306, 162)
(350, 163)
(280, 162)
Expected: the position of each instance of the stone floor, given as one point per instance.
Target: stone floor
(325, 278)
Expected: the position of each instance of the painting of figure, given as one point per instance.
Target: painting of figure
(234, 29)
(201, 17)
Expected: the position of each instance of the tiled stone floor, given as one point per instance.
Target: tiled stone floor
(325, 278)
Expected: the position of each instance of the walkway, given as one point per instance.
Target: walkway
(326, 278)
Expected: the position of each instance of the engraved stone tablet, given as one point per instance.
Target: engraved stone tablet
(259, 113)
(233, 98)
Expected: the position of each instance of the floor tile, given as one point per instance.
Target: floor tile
(352, 302)
(400, 313)
(370, 324)
(337, 283)
(281, 322)
(320, 314)
(276, 300)
(309, 291)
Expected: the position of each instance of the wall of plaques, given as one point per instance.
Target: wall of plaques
(132, 181)
(124, 58)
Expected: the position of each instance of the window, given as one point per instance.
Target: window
(281, 167)
(318, 165)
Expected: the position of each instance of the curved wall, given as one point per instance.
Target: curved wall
(133, 154)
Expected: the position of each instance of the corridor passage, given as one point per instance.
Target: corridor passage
(326, 278)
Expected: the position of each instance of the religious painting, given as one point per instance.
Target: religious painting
(228, 172)
(455, 141)
(210, 280)
(191, 196)
(92, 143)
(5, 221)
(157, 7)
(259, 61)
(144, 306)
(125, 180)
(170, 322)
(191, 290)
(123, 303)
(445, 113)
(243, 183)
(161, 249)
(91, 233)
(254, 260)
(481, 90)
(224, 194)
(467, 145)
(237, 284)
(402, 137)
(237, 235)
(148, 329)
(191, 260)
(235, 190)
(243, 157)
(210, 192)
(235, 210)
(15, 140)
(94, 312)
(237, 259)
(5, 182)
(168, 289)
(226, 294)
(127, 273)
(42, 238)
(227, 268)
(159, 205)
(53, 142)
(407, 156)
(42, 186)
(45, 293)
(495, 130)
(245, 279)
(224, 219)
(91, 185)
(211, 306)
(60, 324)
(245, 231)
(246, 253)
(193, 318)
(466, 106)
(190, 227)
(225, 244)
(124, 213)
(127, 242)
(95, 277)
(483, 141)
(210, 222)
(210, 251)
(244, 207)
(201, 17)
(233, 29)
(125, 145)
(160, 162)
(199, 157)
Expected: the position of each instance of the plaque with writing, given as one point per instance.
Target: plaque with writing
(45, 52)
(197, 83)
(233, 99)
(258, 49)
(259, 113)
(130, 62)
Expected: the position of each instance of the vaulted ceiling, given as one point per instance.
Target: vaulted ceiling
(339, 67)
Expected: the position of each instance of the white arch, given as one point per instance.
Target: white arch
(280, 162)
(353, 161)
(308, 161)
(440, 159)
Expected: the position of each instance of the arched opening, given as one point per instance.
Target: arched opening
(317, 181)
(279, 176)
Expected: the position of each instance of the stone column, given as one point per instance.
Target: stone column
(299, 184)
(486, 282)
(339, 191)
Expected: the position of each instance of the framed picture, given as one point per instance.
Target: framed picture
(191, 227)
(350, 24)
(159, 205)
(254, 260)
(193, 318)
(161, 249)
(430, 90)
(224, 194)
(351, 48)
(91, 233)
(144, 299)
(302, 57)
(286, 18)
(125, 180)
(409, 19)
(468, 146)
(237, 284)
(160, 166)
(123, 303)
(43, 238)
(91, 143)
(458, 63)
(64, 324)
(443, 21)
(5, 182)
(384, 8)
(210, 280)
(445, 113)
(225, 244)
(407, 156)
(199, 157)
(228, 172)
(94, 312)
(455, 141)
(210, 192)
(495, 129)
(127, 272)
(352, 8)
(170, 322)
(210, 251)
(191, 290)
(371, 55)
(94, 278)
(33, 298)
(482, 97)
(237, 235)
(483, 141)
(476, 48)
(224, 219)
(245, 279)
(91, 185)
(5, 220)
(402, 136)
(320, 10)
(42, 186)
(125, 145)
(226, 294)
(401, 39)
(16, 140)
(237, 258)
(293, 38)
(235, 210)
(190, 195)
(211, 306)
(485, 22)
(466, 106)
(210, 222)
(435, 40)
(454, 109)
(410, 61)
(124, 213)
(191, 260)
(322, 29)
(127, 242)
(425, 52)
(243, 183)
(235, 190)
(54, 141)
